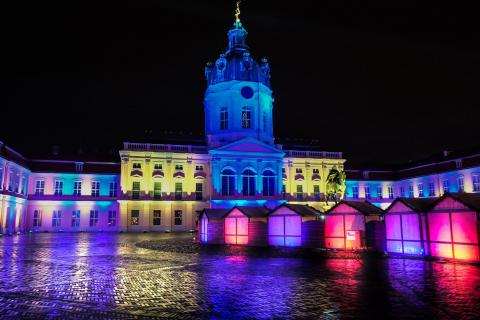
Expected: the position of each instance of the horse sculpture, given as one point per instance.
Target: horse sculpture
(335, 184)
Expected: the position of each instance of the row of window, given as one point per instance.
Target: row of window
(159, 166)
(157, 217)
(355, 192)
(57, 216)
(246, 118)
(410, 193)
(300, 195)
(300, 170)
(248, 183)
(77, 188)
(157, 190)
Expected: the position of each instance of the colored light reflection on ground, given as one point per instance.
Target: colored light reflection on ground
(107, 276)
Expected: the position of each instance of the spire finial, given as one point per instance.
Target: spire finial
(237, 11)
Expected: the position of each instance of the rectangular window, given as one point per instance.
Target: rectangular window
(476, 183)
(298, 170)
(157, 217)
(136, 190)
(461, 184)
(316, 171)
(39, 187)
(77, 188)
(284, 190)
(355, 192)
(199, 168)
(93, 218)
(157, 166)
(379, 192)
(402, 191)
(157, 190)
(137, 165)
(58, 187)
(420, 190)
(411, 193)
(367, 192)
(179, 167)
(178, 217)
(299, 192)
(223, 118)
(57, 218)
(135, 217)
(316, 192)
(95, 189)
(178, 191)
(76, 218)
(390, 192)
(431, 189)
(37, 218)
(199, 191)
(112, 218)
(113, 189)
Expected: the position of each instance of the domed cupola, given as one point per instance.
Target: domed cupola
(238, 100)
(236, 63)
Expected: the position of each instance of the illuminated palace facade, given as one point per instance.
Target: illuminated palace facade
(164, 187)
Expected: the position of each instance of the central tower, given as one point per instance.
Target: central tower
(238, 100)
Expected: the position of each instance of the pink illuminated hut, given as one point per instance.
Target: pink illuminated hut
(346, 226)
(295, 225)
(405, 226)
(453, 227)
(246, 225)
(212, 226)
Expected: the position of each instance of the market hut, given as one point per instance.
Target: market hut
(346, 226)
(212, 226)
(453, 227)
(246, 225)
(405, 226)
(292, 225)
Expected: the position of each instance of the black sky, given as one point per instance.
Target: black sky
(381, 83)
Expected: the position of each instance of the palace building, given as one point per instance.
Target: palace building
(164, 187)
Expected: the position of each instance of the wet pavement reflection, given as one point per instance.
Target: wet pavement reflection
(93, 275)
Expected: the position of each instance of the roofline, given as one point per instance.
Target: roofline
(401, 199)
(347, 203)
(456, 198)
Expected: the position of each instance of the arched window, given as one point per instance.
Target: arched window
(248, 182)
(246, 118)
(223, 118)
(268, 183)
(228, 182)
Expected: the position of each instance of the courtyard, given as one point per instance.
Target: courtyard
(106, 275)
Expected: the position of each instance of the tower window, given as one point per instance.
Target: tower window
(246, 118)
(223, 118)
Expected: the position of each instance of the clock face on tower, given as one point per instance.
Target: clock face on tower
(247, 92)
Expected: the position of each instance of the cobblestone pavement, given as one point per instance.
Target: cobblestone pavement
(95, 276)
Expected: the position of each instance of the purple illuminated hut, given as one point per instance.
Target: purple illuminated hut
(405, 227)
(246, 225)
(453, 227)
(354, 225)
(295, 225)
(212, 226)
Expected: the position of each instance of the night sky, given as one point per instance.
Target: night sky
(382, 84)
